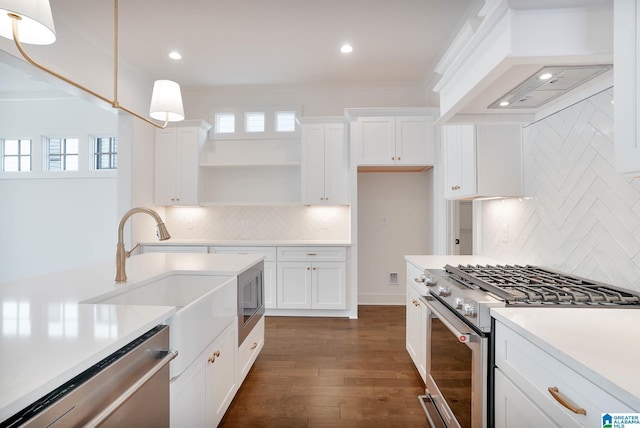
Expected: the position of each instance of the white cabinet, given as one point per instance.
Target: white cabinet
(269, 273)
(532, 385)
(203, 392)
(482, 161)
(312, 278)
(178, 180)
(395, 140)
(626, 85)
(416, 313)
(249, 349)
(325, 164)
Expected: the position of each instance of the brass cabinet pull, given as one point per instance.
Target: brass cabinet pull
(415, 303)
(312, 254)
(212, 358)
(555, 393)
(398, 157)
(254, 346)
(393, 158)
(308, 268)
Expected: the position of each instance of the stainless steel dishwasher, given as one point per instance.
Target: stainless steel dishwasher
(128, 388)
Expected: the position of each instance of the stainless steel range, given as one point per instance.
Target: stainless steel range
(459, 380)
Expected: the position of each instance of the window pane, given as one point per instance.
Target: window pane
(25, 147)
(71, 163)
(71, 146)
(254, 122)
(55, 146)
(54, 163)
(11, 147)
(225, 123)
(25, 163)
(11, 163)
(285, 121)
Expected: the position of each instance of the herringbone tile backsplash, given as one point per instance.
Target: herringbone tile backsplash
(578, 215)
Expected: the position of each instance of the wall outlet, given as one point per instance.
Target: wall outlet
(393, 277)
(384, 221)
(504, 232)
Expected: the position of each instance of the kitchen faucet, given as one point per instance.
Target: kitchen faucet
(121, 254)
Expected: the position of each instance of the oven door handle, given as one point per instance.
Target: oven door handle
(462, 337)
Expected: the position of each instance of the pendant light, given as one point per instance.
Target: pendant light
(31, 22)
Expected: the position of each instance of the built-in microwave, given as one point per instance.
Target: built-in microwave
(250, 299)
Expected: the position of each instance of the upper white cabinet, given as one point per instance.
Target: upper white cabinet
(325, 164)
(482, 161)
(177, 177)
(394, 140)
(626, 81)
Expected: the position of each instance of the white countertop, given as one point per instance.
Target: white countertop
(602, 344)
(249, 242)
(47, 336)
(438, 262)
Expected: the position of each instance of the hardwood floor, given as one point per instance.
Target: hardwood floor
(332, 372)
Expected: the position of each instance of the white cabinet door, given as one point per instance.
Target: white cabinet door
(325, 165)
(177, 171)
(328, 285)
(187, 392)
(414, 140)
(416, 332)
(376, 140)
(336, 166)
(221, 375)
(626, 81)
(294, 285)
(482, 161)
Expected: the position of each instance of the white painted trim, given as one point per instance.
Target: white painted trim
(383, 299)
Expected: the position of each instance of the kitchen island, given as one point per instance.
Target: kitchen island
(48, 335)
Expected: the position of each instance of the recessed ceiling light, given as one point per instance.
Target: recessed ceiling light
(346, 48)
(504, 103)
(175, 55)
(545, 76)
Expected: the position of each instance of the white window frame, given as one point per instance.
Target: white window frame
(219, 129)
(113, 155)
(247, 119)
(278, 121)
(269, 132)
(46, 154)
(3, 155)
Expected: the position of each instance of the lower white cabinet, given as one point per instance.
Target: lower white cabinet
(416, 313)
(312, 278)
(532, 385)
(203, 392)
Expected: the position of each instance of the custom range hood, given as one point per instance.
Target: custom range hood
(517, 60)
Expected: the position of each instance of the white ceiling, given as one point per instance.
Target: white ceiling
(270, 42)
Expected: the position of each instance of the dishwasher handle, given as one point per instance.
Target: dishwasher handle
(126, 395)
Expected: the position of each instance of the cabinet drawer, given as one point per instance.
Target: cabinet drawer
(310, 254)
(269, 252)
(414, 273)
(250, 348)
(534, 371)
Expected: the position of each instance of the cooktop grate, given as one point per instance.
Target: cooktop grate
(540, 286)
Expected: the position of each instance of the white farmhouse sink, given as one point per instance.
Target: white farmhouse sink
(205, 305)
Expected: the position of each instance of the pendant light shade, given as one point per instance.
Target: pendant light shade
(166, 101)
(35, 24)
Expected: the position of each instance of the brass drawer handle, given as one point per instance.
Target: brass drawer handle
(212, 358)
(555, 393)
(312, 254)
(254, 346)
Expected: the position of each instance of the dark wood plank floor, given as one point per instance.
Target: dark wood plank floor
(332, 372)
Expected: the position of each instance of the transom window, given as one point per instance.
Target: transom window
(225, 123)
(254, 122)
(106, 153)
(16, 155)
(62, 154)
(285, 121)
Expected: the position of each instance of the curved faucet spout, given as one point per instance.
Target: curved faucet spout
(121, 253)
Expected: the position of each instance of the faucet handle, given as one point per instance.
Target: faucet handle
(128, 253)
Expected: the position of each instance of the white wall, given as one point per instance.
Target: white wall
(50, 224)
(578, 215)
(394, 220)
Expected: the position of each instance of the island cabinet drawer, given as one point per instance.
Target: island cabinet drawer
(269, 252)
(537, 372)
(250, 348)
(310, 254)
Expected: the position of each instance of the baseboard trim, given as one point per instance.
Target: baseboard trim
(382, 299)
